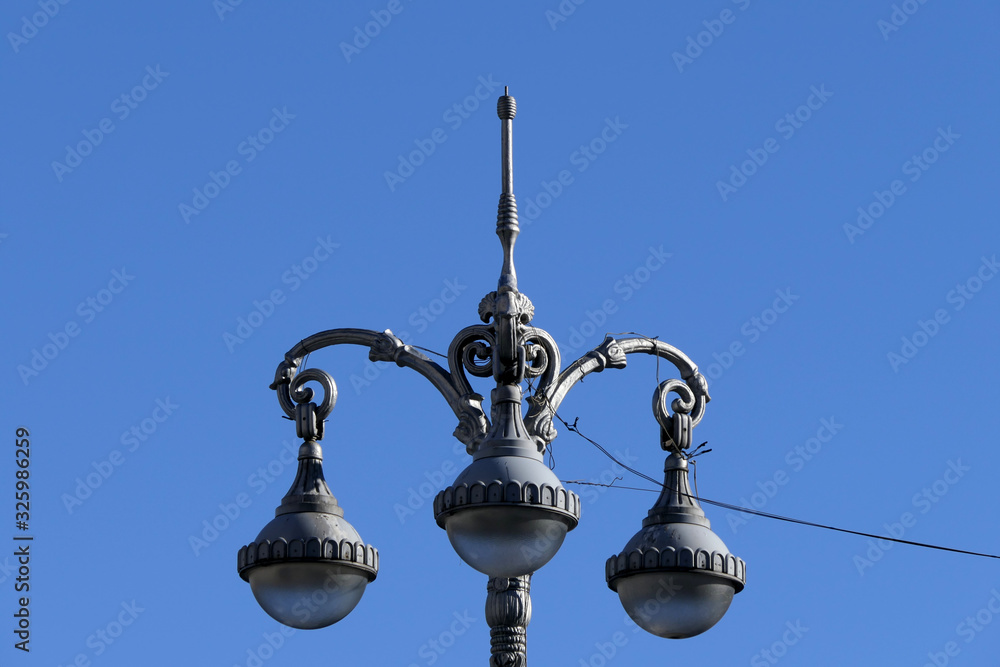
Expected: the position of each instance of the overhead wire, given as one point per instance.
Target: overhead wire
(746, 510)
(736, 508)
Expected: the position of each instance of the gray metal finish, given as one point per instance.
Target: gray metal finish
(692, 388)
(507, 228)
(384, 346)
(676, 536)
(308, 526)
(508, 613)
(507, 479)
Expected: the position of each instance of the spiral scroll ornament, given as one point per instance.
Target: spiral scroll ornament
(472, 350)
(675, 429)
(296, 400)
(541, 354)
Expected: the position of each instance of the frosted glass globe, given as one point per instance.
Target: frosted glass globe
(675, 605)
(307, 595)
(506, 541)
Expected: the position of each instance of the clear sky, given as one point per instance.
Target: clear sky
(801, 196)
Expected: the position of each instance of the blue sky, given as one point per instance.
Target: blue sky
(191, 188)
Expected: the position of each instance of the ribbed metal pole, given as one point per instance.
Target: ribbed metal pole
(508, 612)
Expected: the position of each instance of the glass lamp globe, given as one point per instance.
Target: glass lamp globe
(308, 567)
(307, 596)
(507, 516)
(675, 577)
(506, 541)
(676, 605)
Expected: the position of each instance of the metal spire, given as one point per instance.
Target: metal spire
(507, 228)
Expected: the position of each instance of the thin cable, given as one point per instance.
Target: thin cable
(417, 347)
(572, 427)
(548, 448)
(610, 486)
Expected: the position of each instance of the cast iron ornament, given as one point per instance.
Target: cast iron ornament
(507, 347)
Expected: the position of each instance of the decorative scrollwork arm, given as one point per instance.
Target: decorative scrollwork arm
(383, 346)
(692, 388)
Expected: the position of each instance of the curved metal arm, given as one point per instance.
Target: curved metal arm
(467, 405)
(692, 392)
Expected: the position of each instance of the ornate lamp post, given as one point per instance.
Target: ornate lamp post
(506, 514)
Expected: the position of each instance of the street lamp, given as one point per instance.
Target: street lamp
(507, 513)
